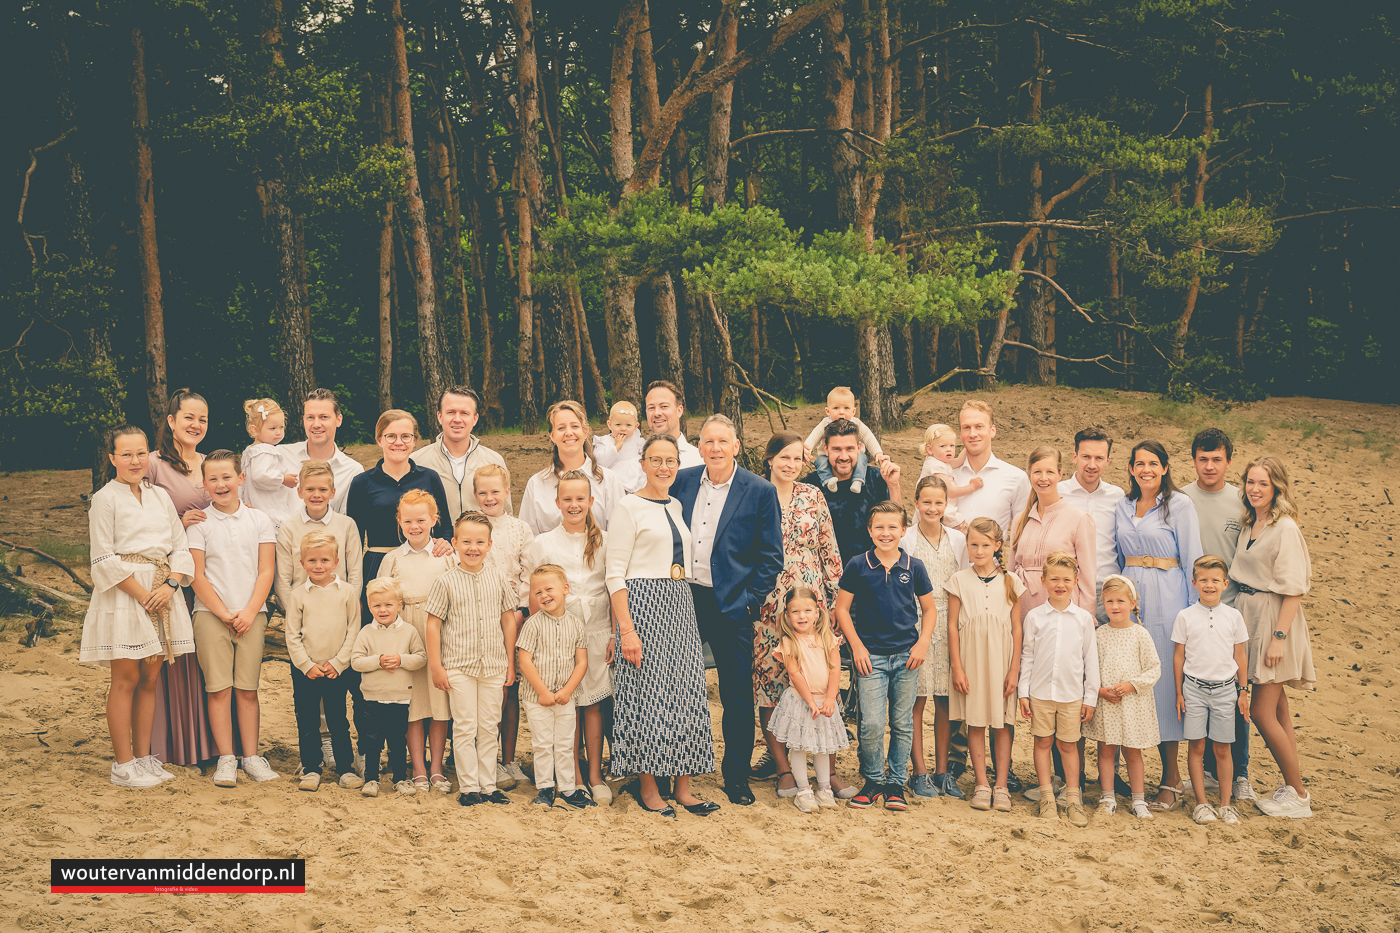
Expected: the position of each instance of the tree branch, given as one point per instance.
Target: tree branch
(909, 402)
(24, 192)
(1098, 359)
(1338, 210)
(819, 130)
(48, 557)
(1072, 189)
(1015, 224)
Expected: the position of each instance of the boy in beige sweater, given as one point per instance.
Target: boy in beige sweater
(385, 652)
(323, 619)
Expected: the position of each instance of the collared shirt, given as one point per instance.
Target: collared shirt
(1210, 634)
(885, 603)
(322, 623)
(688, 454)
(1003, 495)
(470, 605)
(704, 522)
(849, 510)
(335, 583)
(371, 644)
(324, 519)
(1100, 505)
(291, 574)
(230, 543)
(551, 643)
(374, 502)
(457, 473)
(1059, 655)
(343, 470)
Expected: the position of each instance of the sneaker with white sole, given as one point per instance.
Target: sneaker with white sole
(152, 766)
(1287, 804)
(1243, 790)
(1203, 813)
(405, 788)
(1032, 793)
(327, 753)
(226, 771)
(351, 780)
(1108, 805)
(309, 781)
(516, 774)
(1141, 811)
(1212, 782)
(503, 778)
(371, 789)
(440, 783)
(602, 794)
(806, 801)
(133, 774)
(1228, 815)
(825, 798)
(257, 768)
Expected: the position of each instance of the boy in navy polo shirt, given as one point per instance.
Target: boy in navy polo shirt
(877, 608)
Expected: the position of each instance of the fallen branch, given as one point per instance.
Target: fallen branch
(69, 597)
(907, 403)
(50, 558)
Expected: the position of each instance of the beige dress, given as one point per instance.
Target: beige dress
(1276, 564)
(1126, 654)
(416, 571)
(985, 649)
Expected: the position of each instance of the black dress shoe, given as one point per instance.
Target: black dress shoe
(703, 808)
(665, 809)
(765, 769)
(1013, 783)
(497, 796)
(469, 799)
(739, 794)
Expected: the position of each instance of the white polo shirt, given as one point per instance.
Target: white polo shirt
(704, 522)
(230, 545)
(1004, 491)
(1100, 505)
(343, 468)
(1210, 634)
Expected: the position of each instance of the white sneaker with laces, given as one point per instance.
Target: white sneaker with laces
(327, 753)
(405, 788)
(371, 789)
(442, 785)
(310, 781)
(152, 766)
(226, 771)
(504, 781)
(516, 774)
(1108, 805)
(1287, 804)
(1228, 815)
(1141, 811)
(257, 768)
(825, 798)
(1212, 783)
(805, 800)
(1203, 813)
(1243, 790)
(133, 774)
(351, 780)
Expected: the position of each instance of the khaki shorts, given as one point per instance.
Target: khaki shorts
(227, 661)
(1058, 719)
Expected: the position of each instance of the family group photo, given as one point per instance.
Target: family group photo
(828, 465)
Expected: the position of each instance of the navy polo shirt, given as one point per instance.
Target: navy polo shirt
(884, 603)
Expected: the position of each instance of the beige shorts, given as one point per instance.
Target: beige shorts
(227, 661)
(1058, 719)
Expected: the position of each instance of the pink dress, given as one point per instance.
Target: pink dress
(1061, 528)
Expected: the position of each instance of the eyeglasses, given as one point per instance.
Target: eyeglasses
(398, 438)
(669, 463)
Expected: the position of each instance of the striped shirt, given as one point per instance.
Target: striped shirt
(551, 644)
(470, 606)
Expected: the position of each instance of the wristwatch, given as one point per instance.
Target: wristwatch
(1280, 635)
(171, 583)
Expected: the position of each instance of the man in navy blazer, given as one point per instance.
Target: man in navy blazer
(736, 527)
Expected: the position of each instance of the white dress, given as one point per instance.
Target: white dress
(264, 466)
(539, 510)
(116, 625)
(626, 463)
(935, 676)
(588, 600)
(1126, 654)
(510, 538)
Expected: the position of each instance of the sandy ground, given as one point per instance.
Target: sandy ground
(392, 864)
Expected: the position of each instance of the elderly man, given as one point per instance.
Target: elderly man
(736, 527)
(664, 414)
(849, 509)
(320, 417)
(456, 453)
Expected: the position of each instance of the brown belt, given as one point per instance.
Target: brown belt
(1156, 563)
(161, 618)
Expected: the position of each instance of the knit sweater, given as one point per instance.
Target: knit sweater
(290, 573)
(375, 640)
(322, 623)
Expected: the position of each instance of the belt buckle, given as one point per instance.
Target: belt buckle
(677, 572)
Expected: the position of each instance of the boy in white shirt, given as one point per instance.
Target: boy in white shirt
(233, 551)
(1059, 684)
(316, 489)
(553, 657)
(1210, 681)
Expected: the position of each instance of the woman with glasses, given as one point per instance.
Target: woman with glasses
(573, 450)
(661, 714)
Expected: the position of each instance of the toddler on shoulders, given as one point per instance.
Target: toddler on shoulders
(841, 403)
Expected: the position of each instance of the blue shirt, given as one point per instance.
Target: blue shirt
(884, 604)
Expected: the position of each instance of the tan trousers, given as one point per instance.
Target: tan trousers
(476, 716)
(552, 737)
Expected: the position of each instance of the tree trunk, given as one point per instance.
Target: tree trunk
(1041, 303)
(699, 393)
(905, 370)
(840, 98)
(668, 346)
(593, 379)
(157, 387)
(1193, 291)
(386, 263)
(434, 376)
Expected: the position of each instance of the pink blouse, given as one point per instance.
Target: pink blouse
(185, 491)
(1061, 528)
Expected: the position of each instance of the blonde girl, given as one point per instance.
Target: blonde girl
(140, 558)
(415, 568)
(943, 551)
(1127, 713)
(576, 545)
(984, 654)
(808, 715)
(270, 478)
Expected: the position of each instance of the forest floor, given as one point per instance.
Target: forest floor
(391, 864)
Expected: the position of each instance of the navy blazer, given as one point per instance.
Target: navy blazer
(748, 552)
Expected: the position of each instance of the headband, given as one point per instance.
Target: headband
(1118, 576)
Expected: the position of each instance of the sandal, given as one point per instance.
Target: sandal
(1178, 794)
(421, 782)
(982, 797)
(792, 791)
(440, 783)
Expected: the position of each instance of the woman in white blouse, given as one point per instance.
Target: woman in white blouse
(573, 450)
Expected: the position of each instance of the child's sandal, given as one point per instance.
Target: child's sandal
(421, 782)
(982, 797)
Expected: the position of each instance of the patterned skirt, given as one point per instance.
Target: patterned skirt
(661, 712)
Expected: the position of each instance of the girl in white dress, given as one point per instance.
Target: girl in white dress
(576, 544)
(1127, 713)
(270, 481)
(140, 558)
(413, 565)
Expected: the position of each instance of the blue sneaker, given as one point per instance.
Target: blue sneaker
(922, 785)
(945, 783)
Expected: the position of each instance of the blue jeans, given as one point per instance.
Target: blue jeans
(889, 690)
(824, 468)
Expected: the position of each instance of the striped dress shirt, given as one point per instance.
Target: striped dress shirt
(470, 607)
(551, 643)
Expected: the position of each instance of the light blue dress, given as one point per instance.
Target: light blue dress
(1161, 593)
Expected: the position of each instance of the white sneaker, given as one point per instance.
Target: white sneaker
(1212, 783)
(1141, 811)
(310, 781)
(226, 772)
(1243, 790)
(504, 781)
(359, 764)
(1032, 793)
(1203, 813)
(327, 753)
(151, 764)
(825, 798)
(257, 768)
(805, 800)
(133, 774)
(1108, 805)
(406, 788)
(442, 785)
(1286, 803)
(1228, 815)
(351, 780)
(516, 774)
(371, 789)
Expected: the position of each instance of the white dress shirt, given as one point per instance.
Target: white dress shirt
(704, 522)
(689, 455)
(1100, 505)
(343, 470)
(1003, 495)
(1059, 656)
